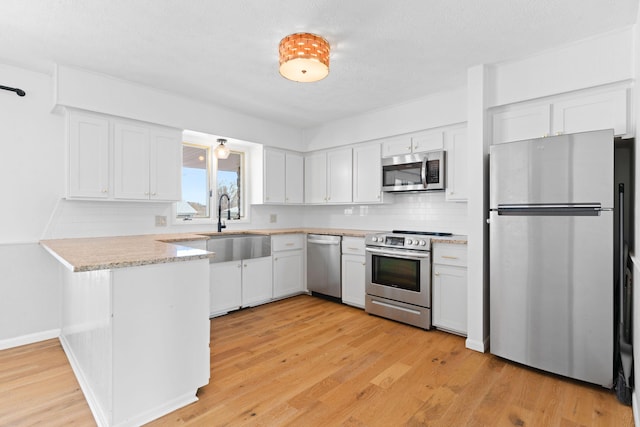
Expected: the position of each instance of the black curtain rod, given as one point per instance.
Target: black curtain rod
(20, 92)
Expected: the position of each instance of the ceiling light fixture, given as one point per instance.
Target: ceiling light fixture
(304, 57)
(221, 151)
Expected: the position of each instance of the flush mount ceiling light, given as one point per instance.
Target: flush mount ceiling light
(304, 57)
(221, 151)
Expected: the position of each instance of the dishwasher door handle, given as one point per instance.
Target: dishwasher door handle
(323, 242)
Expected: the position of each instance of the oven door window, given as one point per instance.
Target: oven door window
(402, 174)
(396, 272)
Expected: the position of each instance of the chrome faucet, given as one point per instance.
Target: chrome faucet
(220, 225)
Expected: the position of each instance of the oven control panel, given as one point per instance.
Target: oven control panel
(398, 241)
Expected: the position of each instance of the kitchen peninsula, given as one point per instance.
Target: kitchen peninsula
(135, 323)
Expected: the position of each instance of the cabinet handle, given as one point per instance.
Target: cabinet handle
(105, 190)
(146, 193)
(275, 259)
(245, 265)
(153, 194)
(364, 263)
(436, 274)
(559, 133)
(353, 249)
(449, 257)
(289, 244)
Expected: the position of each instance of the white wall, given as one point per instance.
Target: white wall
(31, 180)
(636, 238)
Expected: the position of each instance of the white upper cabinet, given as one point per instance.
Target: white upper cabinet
(328, 176)
(283, 177)
(578, 112)
(147, 162)
(415, 143)
(274, 176)
(367, 174)
(592, 112)
(457, 177)
(527, 122)
(122, 159)
(88, 161)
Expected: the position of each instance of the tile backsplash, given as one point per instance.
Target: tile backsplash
(410, 211)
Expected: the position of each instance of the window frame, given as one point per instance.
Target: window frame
(195, 139)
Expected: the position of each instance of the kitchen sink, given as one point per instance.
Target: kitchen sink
(234, 247)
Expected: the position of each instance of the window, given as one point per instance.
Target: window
(229, 181)
(201, 173)
(196, 190)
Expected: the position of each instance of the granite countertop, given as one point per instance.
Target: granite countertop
(104, 253)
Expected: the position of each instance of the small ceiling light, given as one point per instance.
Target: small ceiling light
(221, 151)
(304, 57)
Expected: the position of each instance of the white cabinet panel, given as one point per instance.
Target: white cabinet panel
(396, 146)
(427, 141)
(367, 176)
(294, 178)
(449, 287)
(256, 281)
(527, 122)
(457, 178)
(88, 139)
(288, 273)
(585, 113)
(328, 176)
(274, 176)
(339, 176)
(131, 161)
(353, 271)
(226, 287)
(315, 178)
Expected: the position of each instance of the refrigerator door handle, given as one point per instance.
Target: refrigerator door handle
(571, 209)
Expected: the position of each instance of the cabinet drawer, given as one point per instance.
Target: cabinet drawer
(450, 254)
(287, 242)
(353, 245)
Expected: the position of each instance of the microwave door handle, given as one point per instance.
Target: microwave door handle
(423, 172)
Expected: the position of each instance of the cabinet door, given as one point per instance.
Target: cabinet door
(353, 280)
(226, 287)
(315, 178)
(456, 148)
(288, 270)
(256, 281)
(367, 174)
(274, 176)
(88, 156)
(165, 167)
(521, 123)
(593, 112)
(396, 146)
(427, 141)
(450, 298)
(131, 161)
(339, 176)
(294, 178)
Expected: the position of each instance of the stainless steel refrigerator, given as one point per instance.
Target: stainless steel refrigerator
(551, 254)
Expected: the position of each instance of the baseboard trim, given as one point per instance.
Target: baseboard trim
(29, 339)
(480, 346)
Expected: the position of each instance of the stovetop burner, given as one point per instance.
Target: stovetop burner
(422, 233)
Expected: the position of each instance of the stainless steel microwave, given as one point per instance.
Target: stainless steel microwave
(414, 172)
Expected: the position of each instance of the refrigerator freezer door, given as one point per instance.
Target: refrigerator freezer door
(576, 168)
(551, 293)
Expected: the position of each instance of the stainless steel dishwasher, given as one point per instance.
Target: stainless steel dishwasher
(323, 265)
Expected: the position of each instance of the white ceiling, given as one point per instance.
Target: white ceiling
(384, 52)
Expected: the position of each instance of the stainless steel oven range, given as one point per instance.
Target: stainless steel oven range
(398, 276)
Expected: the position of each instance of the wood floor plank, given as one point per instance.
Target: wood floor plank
(304, 361)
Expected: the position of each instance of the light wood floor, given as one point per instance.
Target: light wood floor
(309, 362)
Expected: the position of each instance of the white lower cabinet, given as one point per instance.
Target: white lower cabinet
(449, 287)
(256, 281)
(288, 264)
(226, 287)
(236, 284)
(353, 271)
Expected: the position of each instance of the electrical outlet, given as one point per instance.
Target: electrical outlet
(161, 221)
(273, 218)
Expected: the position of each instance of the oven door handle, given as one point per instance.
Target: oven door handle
(393, 253)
